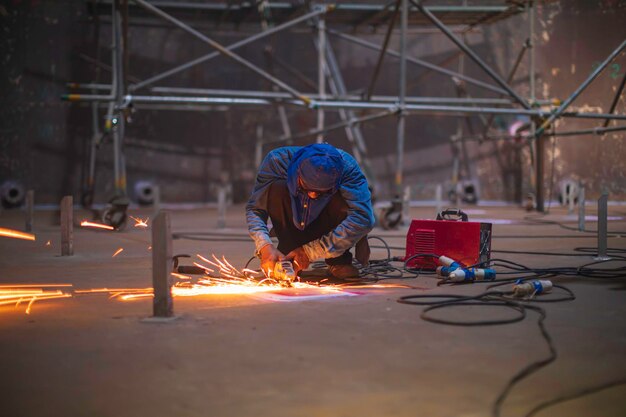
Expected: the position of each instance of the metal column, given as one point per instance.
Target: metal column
(353, 131)
(401, 99)
(117, 120)
(321, 73)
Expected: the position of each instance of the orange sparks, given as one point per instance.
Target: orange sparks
(181, 276)
(48, 243)
(85, 223)
(16, 234)
(16, 294)
(117, 252)
(140, 222)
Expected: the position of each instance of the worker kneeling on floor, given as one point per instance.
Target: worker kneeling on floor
(320, 207)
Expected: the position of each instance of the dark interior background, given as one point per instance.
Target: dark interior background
(44, 141)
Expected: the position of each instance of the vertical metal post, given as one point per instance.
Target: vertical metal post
(221, 206)
(618, 95)
(401, 116)
(602, 227)
(119, 91)
(353, 132)
(67, 226)
(321, 73)
(531, 54)
(438, 199)
(156, 203)
(581, 208)
(570, 200)
(162, 305)
(406, 205)
(29, 208)
(258, 147)
(539, 142)
(539, 169)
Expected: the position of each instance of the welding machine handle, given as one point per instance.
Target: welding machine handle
(448, 213)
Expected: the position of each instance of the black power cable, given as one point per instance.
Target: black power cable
(492, 298)
(575, 395)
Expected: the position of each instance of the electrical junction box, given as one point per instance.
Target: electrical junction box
(466, 242)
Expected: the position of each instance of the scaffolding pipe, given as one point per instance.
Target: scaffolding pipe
(580, 89)
(469, 52)
(306, 100)
(321, 74)
(595, 131)
(409, 108)
(512, 72)
(419, 62)
(235, 45)
(616, 99)
(340, 95)
(383, 50)
(353, 132)
(336, 126)
(404, 17)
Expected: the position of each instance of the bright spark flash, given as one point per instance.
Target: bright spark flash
(29, 293)
(16, 234)
(117, 252)
(223, 279)
(139, 222)
(85, 223)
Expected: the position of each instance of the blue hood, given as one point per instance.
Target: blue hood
(321, 167)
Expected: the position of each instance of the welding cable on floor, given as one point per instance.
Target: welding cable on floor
(575, 395)
(584, 271)
(384, 269)
(380, 269)
(490, 298)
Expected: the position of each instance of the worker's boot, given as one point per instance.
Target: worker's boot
(343, 271)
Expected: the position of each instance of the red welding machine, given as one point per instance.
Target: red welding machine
(450, 235)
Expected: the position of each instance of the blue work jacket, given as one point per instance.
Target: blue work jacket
(353, 188)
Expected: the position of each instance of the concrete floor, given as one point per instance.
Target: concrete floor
(236, 355)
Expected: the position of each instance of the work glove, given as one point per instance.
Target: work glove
(269, 256)
(298, 258)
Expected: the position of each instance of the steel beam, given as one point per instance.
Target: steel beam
(291, 70)
(67, 226)
(408, 107)
(306, 100)
(313, 132)
(458, 42)
(353, 132)
(117, 116)
(512, 72)
(29, 207)
(383, 50)
(162, 303)
(618, 94)
(580, 89)
(595, 131)
(266, 33)
(419, 62)
(404, 17)
(321, 74)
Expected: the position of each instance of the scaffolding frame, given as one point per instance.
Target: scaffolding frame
(284, 96)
